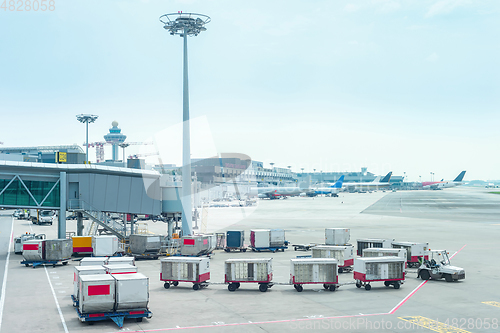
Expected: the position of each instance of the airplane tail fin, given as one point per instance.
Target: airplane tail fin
(376, 180)
(460, 177)
(339, 182)
(386, 178)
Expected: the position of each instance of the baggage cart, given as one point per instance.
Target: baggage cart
(268, 240)
(235, 241)
(343, 254)
(303, 247)
(337, 236)
(416, 253)
(381, 252)
(185, 269)
(390, 270)
(35, 254)
(239, 271)
(365, 243)
(118, 317)
(314, 271)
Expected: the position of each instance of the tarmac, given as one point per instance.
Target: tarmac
(464, 221)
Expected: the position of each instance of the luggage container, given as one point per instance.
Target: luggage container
(96, 293)
(314, 271)
(343, 254)
(92, 261)
(82, 244)
(378, 252)
(235, 240)
(196, 245)
(387, 269)
(33, 250)
(373, 242)
(337, 236)
(145, 245)
(248, 270)
(132, 291)
(83, 270)
(185, 269)
(416, 253)
(19, 241)
(268, 240)
(58, 249)
(120, 261)
(104, 245)
(120, 269)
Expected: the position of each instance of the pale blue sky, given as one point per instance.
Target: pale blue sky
(409, 86)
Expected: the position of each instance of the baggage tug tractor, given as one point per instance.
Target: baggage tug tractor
(438, 266)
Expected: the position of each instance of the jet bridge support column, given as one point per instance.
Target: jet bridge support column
(61, 230)
(79, 224)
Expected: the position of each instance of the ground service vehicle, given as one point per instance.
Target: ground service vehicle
(42, 216)
(438, 266)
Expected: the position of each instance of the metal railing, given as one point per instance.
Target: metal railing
(98, 218)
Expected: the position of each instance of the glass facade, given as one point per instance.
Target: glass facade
(16, 194)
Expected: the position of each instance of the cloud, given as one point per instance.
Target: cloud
(350, 7)
(445, 6)
(433, 57)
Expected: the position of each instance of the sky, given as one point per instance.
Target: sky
(407, 86)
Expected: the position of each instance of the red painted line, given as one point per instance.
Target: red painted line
(407, 297)
(454, 254)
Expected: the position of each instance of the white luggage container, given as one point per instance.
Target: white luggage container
(343, 254)
(391, 270)
(132, 291)
(378, 252)
(185, 269)
(120, 269)
(92, 261)
(260, 238)
(277, 238)
(337, 236)
(33, 250)
(121, 261)
(314, 271)
(96, 293)
(104, 245)
(249, 270)
(414, 251)
(84, 270)
(373, 242)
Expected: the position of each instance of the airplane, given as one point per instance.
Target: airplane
(279, 192)
(376, 184)
(331, 191)
(444, 184)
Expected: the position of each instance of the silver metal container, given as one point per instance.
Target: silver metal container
(120, 269)
(141, 244)
(120, 261)
(185, 269)
(58, 249)
(248, 270)
(132, 291)
(33, 250)
(337, 236)
(313, 270)
(197, 245)
(96, 293)
(92, 261)
(84, 270)
(277, 238)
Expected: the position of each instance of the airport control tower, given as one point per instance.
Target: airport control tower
(115, 137)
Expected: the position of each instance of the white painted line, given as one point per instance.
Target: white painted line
(6, 270)
(57, 303)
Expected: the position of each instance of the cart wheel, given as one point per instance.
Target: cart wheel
(358, 285)
(341, 270)
(54, 265)
(396, 285)
(295, 248)
(298, 287)
(387, 283)
(231, 287)
(244, 250)
(274, 251)
(325, 286)
(175, 283)
(368, 287)
(424, 275)
(166, 285)
(196, 286)
(253, 250)
(237, 284)
(448, 278)
(332, 287)
(138, 319)
(65, 262)
(263, 287)
(27, 265)
(227, 250)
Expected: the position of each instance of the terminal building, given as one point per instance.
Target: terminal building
(44, 154)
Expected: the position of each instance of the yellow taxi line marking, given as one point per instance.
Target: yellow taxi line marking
(492, 303)
(432, 325)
